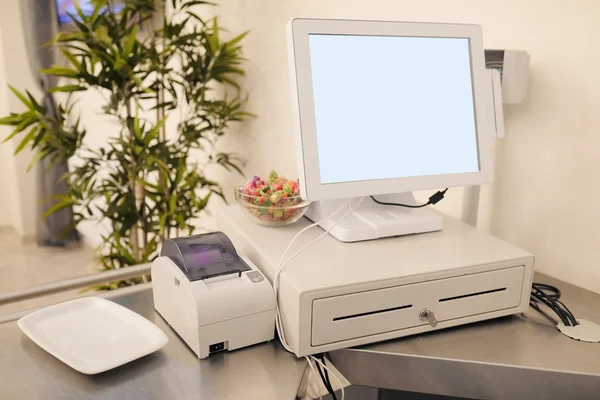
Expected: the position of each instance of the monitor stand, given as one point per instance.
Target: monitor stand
(373, 221)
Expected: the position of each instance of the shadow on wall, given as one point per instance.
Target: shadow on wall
(21, 193)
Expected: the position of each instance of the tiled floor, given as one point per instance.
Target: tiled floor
(25, 265)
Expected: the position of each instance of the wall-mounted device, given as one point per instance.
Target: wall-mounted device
(514, 68)
(388, 108)
(509, 70)
(213, 298)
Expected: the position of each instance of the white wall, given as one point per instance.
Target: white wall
(547, 170)
(9, 200)
(543, 198)
(4, 207)
(15, 70)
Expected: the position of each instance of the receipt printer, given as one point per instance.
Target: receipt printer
(213, 298)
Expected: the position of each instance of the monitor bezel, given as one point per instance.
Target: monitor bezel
(311, 186)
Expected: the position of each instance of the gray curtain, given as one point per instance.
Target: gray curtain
(40, 26)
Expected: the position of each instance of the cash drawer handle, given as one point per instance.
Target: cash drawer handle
(372, 312)
(463, 296)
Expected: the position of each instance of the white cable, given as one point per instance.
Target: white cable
(279, 266)
(332, 374)
(278, 321)
(314, 374)
(282, 264)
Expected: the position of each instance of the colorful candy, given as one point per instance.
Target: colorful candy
(274, 201)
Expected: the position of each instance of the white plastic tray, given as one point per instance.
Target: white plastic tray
(92, 334)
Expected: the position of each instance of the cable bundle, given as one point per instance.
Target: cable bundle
(283, 262)
(325, 376)
(549, 295)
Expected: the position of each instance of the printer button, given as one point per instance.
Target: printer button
(255, 276)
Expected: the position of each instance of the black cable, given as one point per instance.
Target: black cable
(569, 313)
(540, 296)
(322, 356)
(552, 298)
(549, 295)
(326, 381)
(439, 195)
(551, 306)
(551, 291)
(538, 309)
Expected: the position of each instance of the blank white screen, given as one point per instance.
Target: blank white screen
(392, 107)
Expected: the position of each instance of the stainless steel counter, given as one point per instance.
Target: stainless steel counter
(262, 372)
(520, 357)
(517, 357)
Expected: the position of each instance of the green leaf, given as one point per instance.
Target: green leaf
(147, 184)
(196, 3)
(150, 248)
(61, 72)
(39, 136)
(172, 204)
(67, 89)
(155, 131)
(27, 139)
(160, 163)
(231, 82)
(213, 38)
(21, 97)
(80, 11)
(236, 40)
(137, 130)
(128, 48)
(167, 104)
(64, 202)
(162, 221)
(24, 124)
(37, 157)
(195, 16)
(97, 9)
(71, 58)
(204, 202)
(237, 71)
(11, 120)
(38, 107)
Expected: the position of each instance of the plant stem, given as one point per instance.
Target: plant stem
(133, 235)
(142, 196)
(162, 137)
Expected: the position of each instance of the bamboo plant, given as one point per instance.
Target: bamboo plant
(147, 181)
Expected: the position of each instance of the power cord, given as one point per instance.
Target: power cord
(549, 296)
(327, 370)
(283, 263)
(436, 198)
(325, 377)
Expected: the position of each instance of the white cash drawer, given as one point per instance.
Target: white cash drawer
(395, 308)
